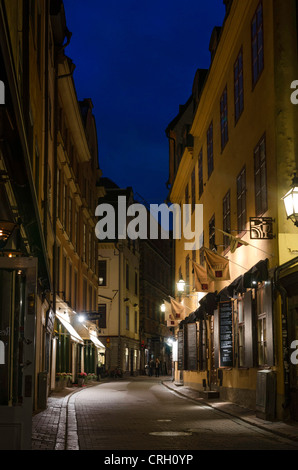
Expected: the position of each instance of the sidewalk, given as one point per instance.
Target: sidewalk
(56, 428)
(288, 430)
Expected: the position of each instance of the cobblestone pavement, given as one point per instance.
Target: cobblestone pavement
(97, 417)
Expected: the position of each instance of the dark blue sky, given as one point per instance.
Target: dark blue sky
(136, 60)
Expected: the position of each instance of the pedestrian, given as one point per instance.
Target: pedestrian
(157, 364)
(151, 366)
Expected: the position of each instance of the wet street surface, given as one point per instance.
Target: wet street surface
(143, 414)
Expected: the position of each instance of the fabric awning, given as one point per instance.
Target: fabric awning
(96, 342)
(73, 333)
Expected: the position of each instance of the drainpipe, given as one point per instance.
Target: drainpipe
(284, 315)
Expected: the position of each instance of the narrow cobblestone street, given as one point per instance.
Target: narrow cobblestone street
(151, 414)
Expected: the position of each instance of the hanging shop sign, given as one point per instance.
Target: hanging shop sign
(226, 349)
(261, 228)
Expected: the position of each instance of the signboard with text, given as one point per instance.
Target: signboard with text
(226, 349)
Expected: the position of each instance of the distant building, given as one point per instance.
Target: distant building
(118, 291)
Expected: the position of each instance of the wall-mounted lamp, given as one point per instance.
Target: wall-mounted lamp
(291, 202)
(163, 307)
(181, 286)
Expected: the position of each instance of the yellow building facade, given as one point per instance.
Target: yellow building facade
(233, 150)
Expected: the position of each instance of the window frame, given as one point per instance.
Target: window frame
(238, 87)
(257, 41)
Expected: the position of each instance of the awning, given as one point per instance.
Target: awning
(96, 342)
(88, 332)
(73, 333)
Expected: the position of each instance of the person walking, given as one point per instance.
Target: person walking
(151, 366)
(157, 365)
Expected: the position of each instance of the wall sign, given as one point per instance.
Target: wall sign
(261, 228)
(226, 348)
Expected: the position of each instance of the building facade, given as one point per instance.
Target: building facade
(239, 163)
(48, 262)
(118, 291)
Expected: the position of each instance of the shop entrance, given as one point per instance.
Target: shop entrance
(18, 281)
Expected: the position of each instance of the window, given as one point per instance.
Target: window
(224, 118)
(193, 190)
(84, 243)
(127, 317)
(187, 274)
(212, 233)
(210, 149)
(136, 321)
(261, 327)
(226, 219)
(257, 45)
(136, 283)
(201, 186)
(186, 202)
(102, 272)
(102, 315)
(238, 86)
(260, 177)
(241, 200)
(241, 337)
(127, 276)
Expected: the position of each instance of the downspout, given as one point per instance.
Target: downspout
(46, 121)
(284, 318)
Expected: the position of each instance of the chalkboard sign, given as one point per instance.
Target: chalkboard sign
(192, 348)
(180, 350)
(226, 334)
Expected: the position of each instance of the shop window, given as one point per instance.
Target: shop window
(241, 340)
(261, 327)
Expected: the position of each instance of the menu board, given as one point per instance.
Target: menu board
(226, 334)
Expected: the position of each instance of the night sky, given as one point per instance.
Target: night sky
(136, 60)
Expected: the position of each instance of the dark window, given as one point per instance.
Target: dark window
(226, 219)
(186, 202)
(127, 317)
(127, 276)
(257, 45)
(241, 200)
(193, 190)
(238, 86)
(136, 283)
(212, 233)
(224, 118)
(260, 177)
(210, 149)
(201, 186)
(102, 316)
(187, 274)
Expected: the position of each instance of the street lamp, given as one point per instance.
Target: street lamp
(181, 286)
(163, 307)
(291, 202)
